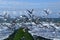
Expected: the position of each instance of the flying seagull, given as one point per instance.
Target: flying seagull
(46, 11)
(30, 11)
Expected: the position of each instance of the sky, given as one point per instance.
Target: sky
(23, 4)
(54, 5)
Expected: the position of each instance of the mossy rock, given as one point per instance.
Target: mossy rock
(18, 35)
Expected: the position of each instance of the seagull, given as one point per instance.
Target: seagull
(30, 11)
(46, 11)
(3, 15)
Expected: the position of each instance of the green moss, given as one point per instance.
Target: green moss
(19, 34)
